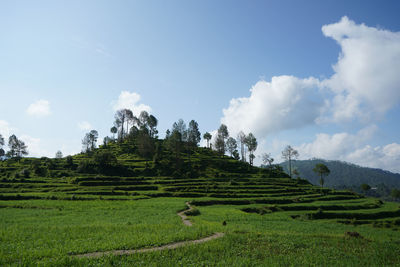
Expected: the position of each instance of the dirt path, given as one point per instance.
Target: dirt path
(174, 245)
(183, 216)
(142, 250)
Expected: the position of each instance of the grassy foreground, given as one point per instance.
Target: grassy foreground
(50, 232)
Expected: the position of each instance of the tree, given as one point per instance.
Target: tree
(365, 187)
(194, 135)
(251, 143)
(208, 137)
(322, 170)
(288, 154)
(114, 130)
(266, 158)
(242, 140)
(220, 144)
(17, 147)
(180, 127)
(395, 193)
(231, 145)
(1, 146)
(222, 134)
(59, 154)
(223, 131)
(122, 116)
(89, 141)
(152, 123)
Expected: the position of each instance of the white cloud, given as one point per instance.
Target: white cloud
(336, 146)
(40, 108)
(84, 126)
(386, 157)
(353, 148)
(5, 129)
(367, 75)
(365, 85)
(130, 100)
(284, 103)
(35, 147)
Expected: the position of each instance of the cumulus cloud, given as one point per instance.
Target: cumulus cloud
(336, 146)
(365, 85)
(386, 157)
(130, 100)
(286, 102)
(353, 148)
(40, 108)
(84, 126)
(366, 81)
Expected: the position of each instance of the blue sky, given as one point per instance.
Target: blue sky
(64, 66)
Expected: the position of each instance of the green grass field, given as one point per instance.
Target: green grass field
(50, 212)
(50, 232)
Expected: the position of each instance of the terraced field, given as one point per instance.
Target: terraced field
(277, 220)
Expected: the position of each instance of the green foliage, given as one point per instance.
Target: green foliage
(365, 187)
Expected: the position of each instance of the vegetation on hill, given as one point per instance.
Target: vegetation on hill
(126, 194)
(344, 175)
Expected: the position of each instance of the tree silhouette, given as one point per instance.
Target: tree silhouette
(288, 154)
(322, 170)
(208, 137)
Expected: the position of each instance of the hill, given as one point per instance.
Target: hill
(344, 174)
(118, 198)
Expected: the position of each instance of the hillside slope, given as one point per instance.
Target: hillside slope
(344, 174)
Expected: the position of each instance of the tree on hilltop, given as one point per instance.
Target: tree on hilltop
(322, 170)
(222, 134)
(17, 147)
(208, 137)
(288, 154)
(89, 141)
(194, 135)
(2, 152)
(242, 140)
(231, 145)
(251, 143)
(267, 159)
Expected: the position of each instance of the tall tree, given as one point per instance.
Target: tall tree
(17, 147)
(266, 158)
(194, 135)
(223, 131)
(242, 140)
(288, 154)
(114, 130)
(219, 144)
(180, 127)
(231, 145)
(322, 170)
(2, 153)
(122, 117)
(208, 137)
(89, 141)
(251, 143)
(222, 134)
(152, 123)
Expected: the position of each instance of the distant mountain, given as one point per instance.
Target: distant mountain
(344, 174)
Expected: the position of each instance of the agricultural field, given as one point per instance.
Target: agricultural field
(252, 216)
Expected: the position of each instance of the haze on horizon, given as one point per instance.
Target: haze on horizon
(323, 77)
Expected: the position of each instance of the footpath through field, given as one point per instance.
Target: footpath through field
(185, 221)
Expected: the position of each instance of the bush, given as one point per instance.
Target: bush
(192, 212)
